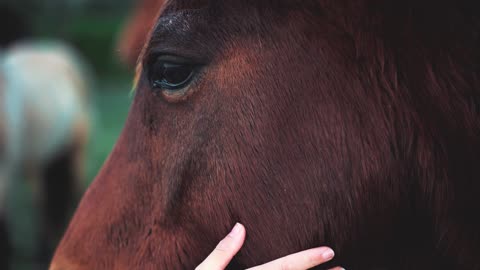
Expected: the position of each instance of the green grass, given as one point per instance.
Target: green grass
(111, 106)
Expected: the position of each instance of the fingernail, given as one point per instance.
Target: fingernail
(236, 230)
(328, 254)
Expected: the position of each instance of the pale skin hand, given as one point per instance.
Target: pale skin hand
(230, 245)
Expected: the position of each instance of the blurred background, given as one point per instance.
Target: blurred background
(68, 55)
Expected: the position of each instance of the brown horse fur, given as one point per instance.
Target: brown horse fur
(352, 124)
(136, 29)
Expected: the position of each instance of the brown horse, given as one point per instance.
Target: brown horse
(352, 124)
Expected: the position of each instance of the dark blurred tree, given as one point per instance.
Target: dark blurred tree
(91, 26)
(13, 26)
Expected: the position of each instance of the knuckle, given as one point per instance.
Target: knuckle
(286, 265)
(220, 248)
(224, 245)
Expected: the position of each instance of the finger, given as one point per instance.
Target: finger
(225, 250)
(338, 268)
(299, 261)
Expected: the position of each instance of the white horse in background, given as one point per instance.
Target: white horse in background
(44, 125)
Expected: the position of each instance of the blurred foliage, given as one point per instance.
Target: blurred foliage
(91, 26)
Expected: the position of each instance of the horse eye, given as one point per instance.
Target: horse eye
(167, 75)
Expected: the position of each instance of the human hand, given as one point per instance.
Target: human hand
(230, 245)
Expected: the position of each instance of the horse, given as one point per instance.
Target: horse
(135, 32)
(350, 124)
(44, 122)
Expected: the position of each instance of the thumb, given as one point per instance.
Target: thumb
(225, 250)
